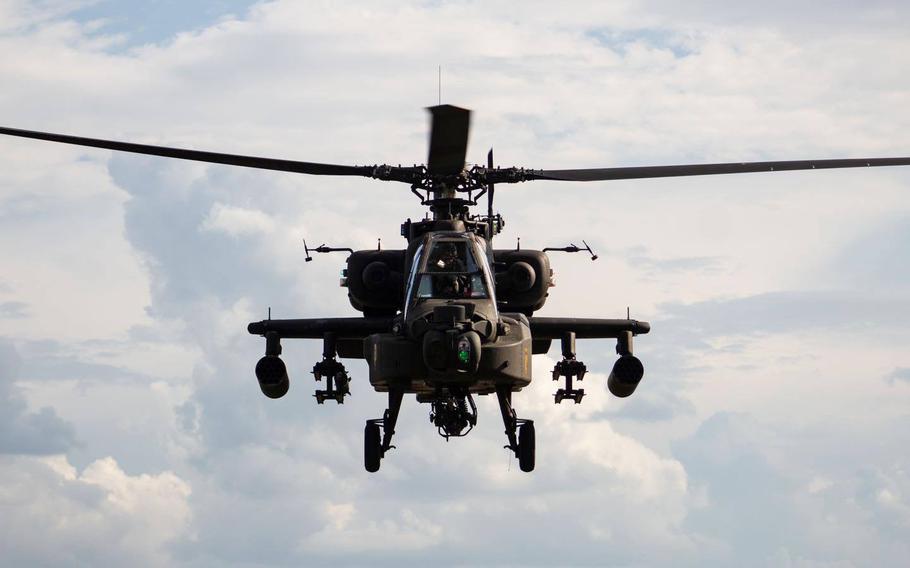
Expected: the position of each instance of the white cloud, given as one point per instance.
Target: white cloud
(22, 13)
(142, 269)
(819, 484)
(404, 532)
(56, 515)
(23, 431)
(237, 221)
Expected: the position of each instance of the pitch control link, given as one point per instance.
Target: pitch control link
(337, 381)
(569, 368)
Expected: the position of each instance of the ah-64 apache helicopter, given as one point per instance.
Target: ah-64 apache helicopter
(449, 316)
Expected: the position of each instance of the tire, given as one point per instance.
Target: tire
(372, 447)
(526, 450)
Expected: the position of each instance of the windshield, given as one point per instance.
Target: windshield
(413, 276)
(451, 272)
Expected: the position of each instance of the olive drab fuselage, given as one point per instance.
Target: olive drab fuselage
(449, 329)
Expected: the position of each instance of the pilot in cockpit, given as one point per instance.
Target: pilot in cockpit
(451, 272)
(446, 258)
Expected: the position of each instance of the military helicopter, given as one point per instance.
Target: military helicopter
(449, 317)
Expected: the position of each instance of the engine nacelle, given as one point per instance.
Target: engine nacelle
(523, 279)
(625, 376)
(375, 281)
(272, 375)
(376, 275)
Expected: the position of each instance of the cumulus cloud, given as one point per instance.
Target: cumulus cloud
(148, 270)
(55, 514)
(23, 431)
(236, 220)
(346, 532)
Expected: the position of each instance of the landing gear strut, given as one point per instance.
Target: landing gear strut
(569, 367)
(374, 445)
(524, 443)
(336, 376)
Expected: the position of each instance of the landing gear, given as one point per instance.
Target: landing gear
(524, 443)
(337, 381)
(569, 367)
(374, 448)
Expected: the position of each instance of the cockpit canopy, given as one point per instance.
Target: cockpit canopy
(451, 267)
(451, 272)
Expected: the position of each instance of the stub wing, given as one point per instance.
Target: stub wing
(585, 328)
(316, 328)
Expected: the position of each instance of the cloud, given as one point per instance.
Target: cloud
(22, 431)
(13, 310)
(20, 15)
(662, 266)
(651, 404)
(760, 509)
(57, 515)
(786, 312)
(899, 374)
(875, 259)
(842, 15)
(746, 496)
(345, 533)
(140, 275)
(236, 221)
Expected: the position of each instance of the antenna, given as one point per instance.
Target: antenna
(588, 248)
(574, 248)
(308, 257)
(440, 84)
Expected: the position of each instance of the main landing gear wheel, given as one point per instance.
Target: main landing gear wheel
(526, 443)
(519, 432)
(372, 447)
(375, 445)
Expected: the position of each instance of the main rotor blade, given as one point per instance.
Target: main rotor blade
(448, 139)
(638, 172)
(200, 156)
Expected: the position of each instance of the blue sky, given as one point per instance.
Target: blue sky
(770, 429)
(155, 21)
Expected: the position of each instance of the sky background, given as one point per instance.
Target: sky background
(771, 425)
